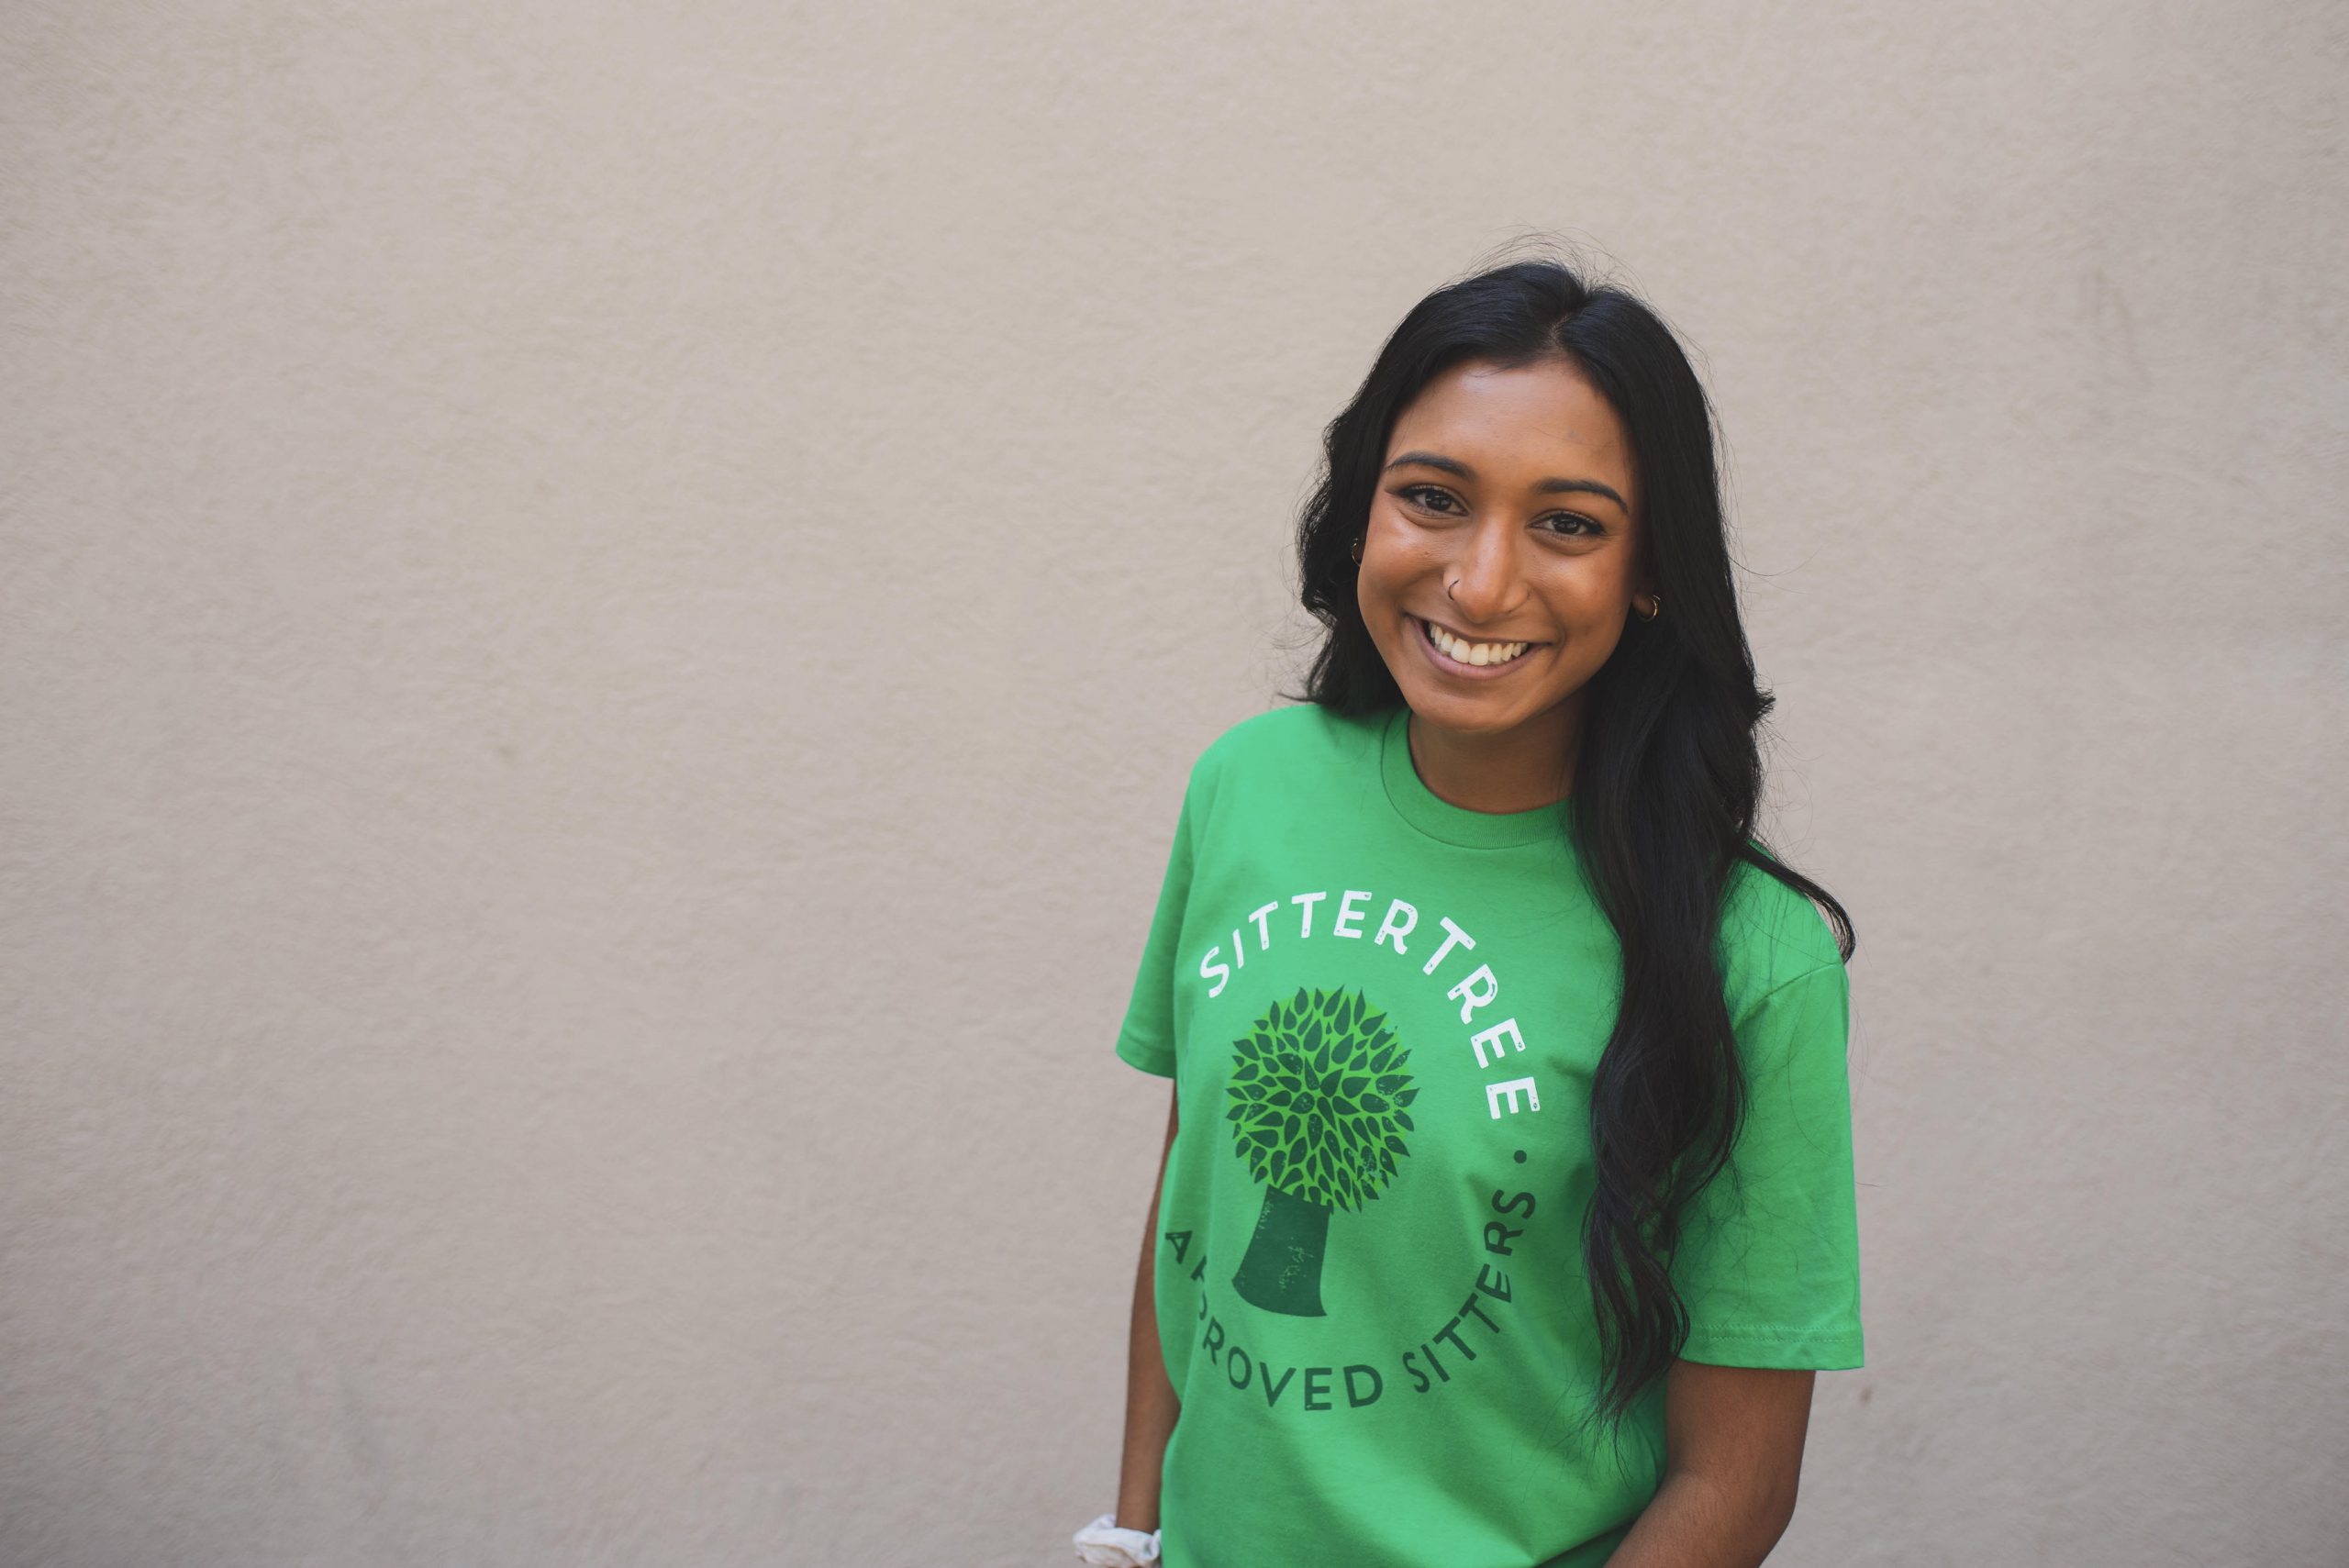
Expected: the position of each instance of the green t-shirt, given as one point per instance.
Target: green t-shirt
(1382, 1012)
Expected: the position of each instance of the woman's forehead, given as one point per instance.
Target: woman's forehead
(1522, 429)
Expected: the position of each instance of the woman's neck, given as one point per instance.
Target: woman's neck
(1521, 769)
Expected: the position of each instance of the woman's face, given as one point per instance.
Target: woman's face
(1513, 489)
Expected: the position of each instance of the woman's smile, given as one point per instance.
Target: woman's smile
(1455, 655)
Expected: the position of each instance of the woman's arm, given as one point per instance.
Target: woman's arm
(1733, 1438)
(1151, 1403)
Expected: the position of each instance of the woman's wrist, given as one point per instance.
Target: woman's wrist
(1137, 1508)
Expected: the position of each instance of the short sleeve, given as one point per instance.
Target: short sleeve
(1769, 1262)
(1146, 1038)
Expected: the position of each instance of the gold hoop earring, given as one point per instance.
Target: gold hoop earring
(1358, 539)
(1656, 607)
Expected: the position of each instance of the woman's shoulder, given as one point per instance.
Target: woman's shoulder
(1770, 932)
(1284, 742)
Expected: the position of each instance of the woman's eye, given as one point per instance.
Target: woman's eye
(1572, 525)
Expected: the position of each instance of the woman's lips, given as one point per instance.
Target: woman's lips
(1450, 666)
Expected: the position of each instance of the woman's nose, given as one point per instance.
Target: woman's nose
(1484, 577)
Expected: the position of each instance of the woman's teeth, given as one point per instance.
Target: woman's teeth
(1473, 652)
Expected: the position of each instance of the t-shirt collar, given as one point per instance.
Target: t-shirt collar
(1439, 819)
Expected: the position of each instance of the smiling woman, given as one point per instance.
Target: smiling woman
(1510, 1116)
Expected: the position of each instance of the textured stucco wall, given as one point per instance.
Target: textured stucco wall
(603, 608)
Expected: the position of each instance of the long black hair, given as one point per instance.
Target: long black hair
(1667, 778)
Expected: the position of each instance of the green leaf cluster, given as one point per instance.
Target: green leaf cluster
(1320, 1101)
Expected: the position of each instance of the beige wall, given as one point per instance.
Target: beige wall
(603, 610)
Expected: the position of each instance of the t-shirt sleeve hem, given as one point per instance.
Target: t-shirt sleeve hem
(1793, 1349)
(1154, 1060)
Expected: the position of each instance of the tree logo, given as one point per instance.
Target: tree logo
(1320, 1108)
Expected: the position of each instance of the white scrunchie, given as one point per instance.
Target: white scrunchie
(1103, 1544)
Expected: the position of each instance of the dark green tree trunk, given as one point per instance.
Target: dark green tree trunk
(1282, 1271)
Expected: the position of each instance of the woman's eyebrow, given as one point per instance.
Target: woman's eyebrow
(1541, 488)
